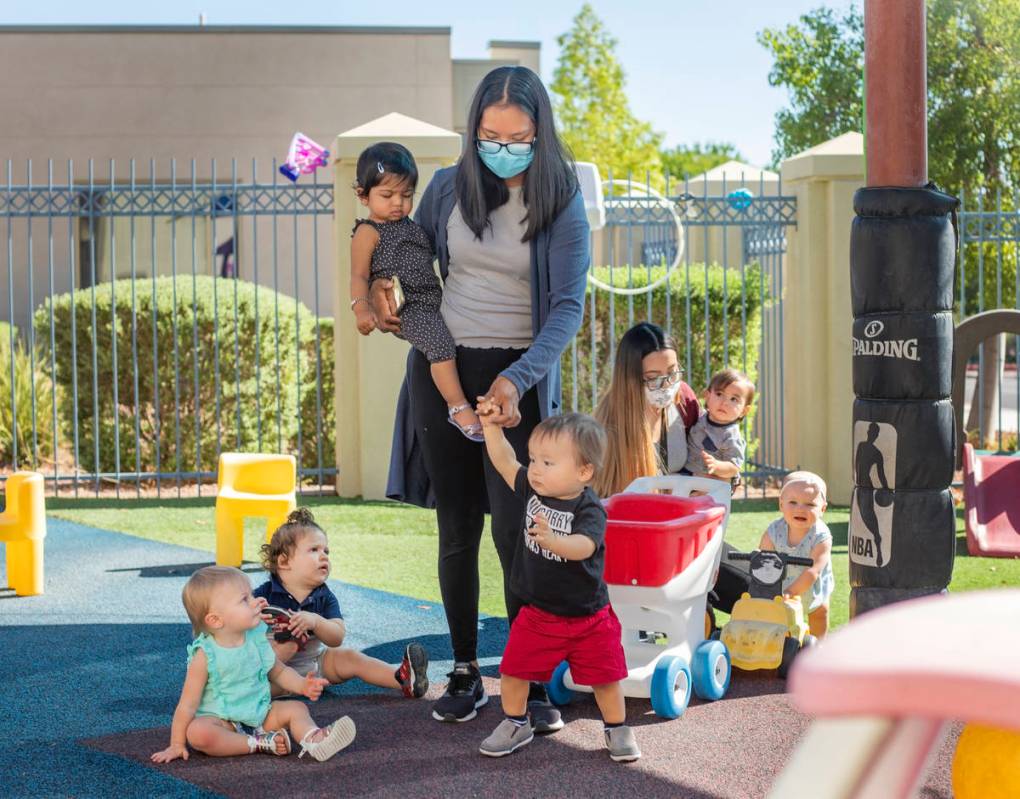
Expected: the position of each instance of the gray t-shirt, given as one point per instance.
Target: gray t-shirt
(722, 441)
(487, 293)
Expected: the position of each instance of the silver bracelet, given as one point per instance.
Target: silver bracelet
(356, 300)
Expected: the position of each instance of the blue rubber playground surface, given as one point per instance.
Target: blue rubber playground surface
(91, 671)
(103, 652)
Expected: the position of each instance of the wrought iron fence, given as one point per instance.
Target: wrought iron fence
(160, 322)
(163, 318)
(988, 278)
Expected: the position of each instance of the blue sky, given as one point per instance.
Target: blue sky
(694, 68)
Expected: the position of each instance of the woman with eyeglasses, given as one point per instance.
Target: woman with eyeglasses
(647, 410)
(508, 226)
(647, 413)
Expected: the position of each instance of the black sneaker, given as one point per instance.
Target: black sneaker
(544, 717)
(464, 695)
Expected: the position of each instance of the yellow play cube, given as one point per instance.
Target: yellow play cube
(251, 484)
(23, 529)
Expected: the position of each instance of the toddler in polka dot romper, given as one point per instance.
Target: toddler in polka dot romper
(389, 243)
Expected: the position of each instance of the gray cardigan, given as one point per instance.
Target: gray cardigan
(560, 256)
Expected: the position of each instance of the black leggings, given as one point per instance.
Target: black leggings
(462, 477)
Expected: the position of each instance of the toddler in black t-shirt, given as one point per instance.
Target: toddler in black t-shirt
(557, 573)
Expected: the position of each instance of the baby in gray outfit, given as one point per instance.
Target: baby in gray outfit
(715, 447)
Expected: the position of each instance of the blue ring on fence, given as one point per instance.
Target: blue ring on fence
(740, 199)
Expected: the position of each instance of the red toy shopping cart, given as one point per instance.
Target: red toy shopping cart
(663, 548)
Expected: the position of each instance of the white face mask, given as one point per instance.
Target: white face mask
(662, 397)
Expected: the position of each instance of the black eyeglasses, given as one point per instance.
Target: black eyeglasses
(491, 147)
(662, 381)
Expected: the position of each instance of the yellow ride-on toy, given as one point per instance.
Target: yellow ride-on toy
(766, 630)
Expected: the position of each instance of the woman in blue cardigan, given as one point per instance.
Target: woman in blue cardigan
(508, 226)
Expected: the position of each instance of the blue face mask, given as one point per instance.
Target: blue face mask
(504, 164)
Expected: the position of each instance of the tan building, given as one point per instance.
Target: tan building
(183, 93)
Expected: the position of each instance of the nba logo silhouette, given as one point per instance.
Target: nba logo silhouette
(871, 513)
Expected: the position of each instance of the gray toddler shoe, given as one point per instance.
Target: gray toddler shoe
(621, 744)
(507, 738)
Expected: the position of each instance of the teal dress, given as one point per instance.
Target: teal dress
(238, 685)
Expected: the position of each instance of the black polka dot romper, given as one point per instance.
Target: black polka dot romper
(404, 250)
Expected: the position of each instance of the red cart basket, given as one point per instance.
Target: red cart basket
(652, 538)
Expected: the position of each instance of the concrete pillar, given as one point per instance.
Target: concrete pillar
(369, 369)
(818, 389)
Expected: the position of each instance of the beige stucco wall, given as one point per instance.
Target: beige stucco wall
(209, 92)
(527, 54)
(818, 389)
(467, 72)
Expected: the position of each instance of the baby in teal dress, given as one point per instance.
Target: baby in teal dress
(225, 706)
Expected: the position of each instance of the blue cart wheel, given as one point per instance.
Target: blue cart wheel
(710, 668)
(559, 694)
(671, 687)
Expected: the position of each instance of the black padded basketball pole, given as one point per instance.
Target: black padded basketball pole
(902, 261)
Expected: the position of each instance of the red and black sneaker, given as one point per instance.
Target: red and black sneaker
(413, 672)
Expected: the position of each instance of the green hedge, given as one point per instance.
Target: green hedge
(37, 451)
(728, 313)
(200, 316)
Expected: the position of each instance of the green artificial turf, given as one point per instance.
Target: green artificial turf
(380, 545)
(394, 547)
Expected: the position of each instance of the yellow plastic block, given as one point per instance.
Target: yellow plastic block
(986, 764)
(251, 485)
(23, 530)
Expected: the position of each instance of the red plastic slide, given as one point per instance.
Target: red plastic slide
(991, 498)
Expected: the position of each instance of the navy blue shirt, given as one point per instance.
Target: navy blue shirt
(321, 601)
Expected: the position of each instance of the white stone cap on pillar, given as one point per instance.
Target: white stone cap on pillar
(842, 157)
(735, 173)
(423, 139)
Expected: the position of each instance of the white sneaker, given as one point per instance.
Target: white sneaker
(339, 735)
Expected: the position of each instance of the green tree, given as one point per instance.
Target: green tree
(689, 160)
(591, 104)
(820, 62)
(973, 71)
(974, 94)
(973, 87)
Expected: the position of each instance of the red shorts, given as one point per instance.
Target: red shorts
(590, 644)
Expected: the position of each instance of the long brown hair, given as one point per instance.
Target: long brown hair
(630, 452)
